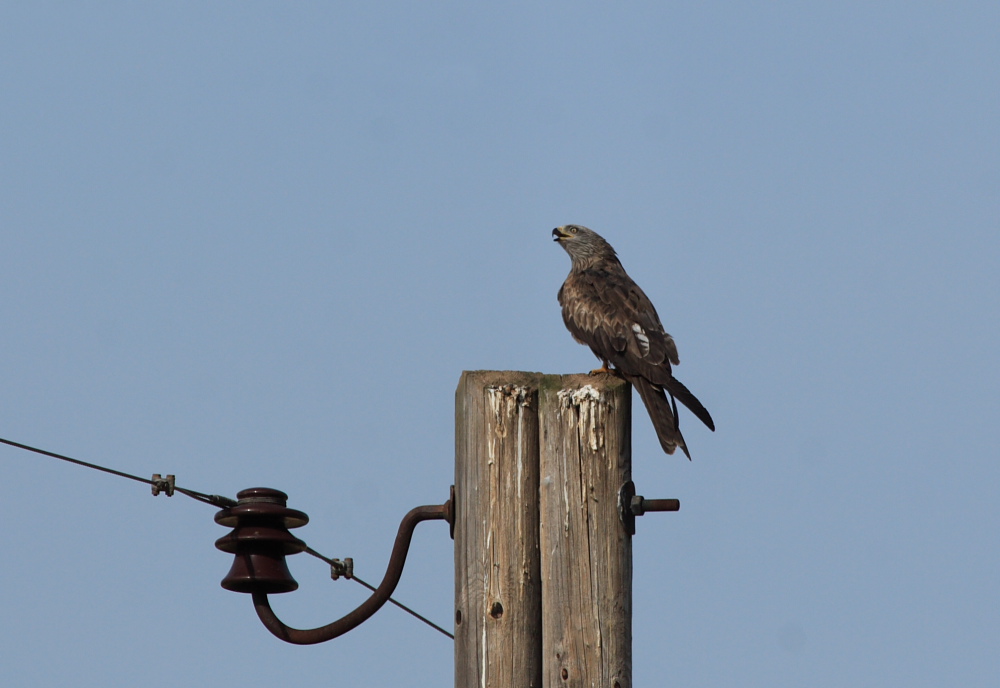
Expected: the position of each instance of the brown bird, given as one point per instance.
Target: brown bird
(604, 309)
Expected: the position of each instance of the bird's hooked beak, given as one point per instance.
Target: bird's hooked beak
(560, 233)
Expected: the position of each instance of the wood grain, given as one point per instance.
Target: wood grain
(586, 554)
(497, 562)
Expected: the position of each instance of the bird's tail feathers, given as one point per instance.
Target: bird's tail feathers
(678, 391)
(663, 413)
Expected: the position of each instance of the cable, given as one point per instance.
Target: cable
(214, 500)
(336, 564)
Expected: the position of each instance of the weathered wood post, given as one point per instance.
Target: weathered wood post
(498, 597)
(586, 458)
(543, 563)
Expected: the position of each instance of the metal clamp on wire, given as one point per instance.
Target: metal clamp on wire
(161, 484)
(343, 568)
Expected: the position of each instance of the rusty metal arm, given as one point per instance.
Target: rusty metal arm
(372, 604)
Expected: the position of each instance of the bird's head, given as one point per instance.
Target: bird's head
(584, 246)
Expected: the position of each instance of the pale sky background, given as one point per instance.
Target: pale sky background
(257, 243)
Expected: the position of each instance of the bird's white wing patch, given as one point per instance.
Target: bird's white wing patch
(640, 336)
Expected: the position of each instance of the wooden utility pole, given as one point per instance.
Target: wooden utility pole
(543, 562)
(498, 596)
(586, 458)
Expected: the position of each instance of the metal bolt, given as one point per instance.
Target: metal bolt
(641, 505)
(631, 505)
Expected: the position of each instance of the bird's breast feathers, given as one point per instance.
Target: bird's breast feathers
(615, 318)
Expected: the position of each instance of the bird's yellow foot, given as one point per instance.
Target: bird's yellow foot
(603, 369)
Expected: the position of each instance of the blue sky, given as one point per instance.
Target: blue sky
(256, 244)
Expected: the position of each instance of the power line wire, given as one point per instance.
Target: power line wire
(337, 567)
(215, 500)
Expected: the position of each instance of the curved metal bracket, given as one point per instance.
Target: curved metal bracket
(368, 607)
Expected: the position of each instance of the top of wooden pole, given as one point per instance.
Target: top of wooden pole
(542, 559)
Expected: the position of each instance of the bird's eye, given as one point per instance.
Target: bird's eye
(572, 230)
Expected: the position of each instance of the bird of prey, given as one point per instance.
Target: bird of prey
(604, 309)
